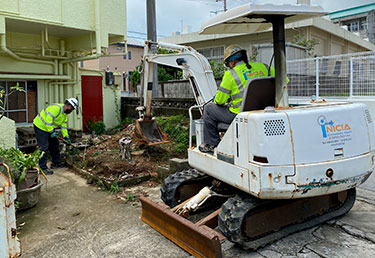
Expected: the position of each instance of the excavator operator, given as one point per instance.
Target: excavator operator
(231, 90)
(53, 116)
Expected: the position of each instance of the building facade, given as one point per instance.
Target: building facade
(123, 64)
(329, 39)
(359, 20)
(42, 43)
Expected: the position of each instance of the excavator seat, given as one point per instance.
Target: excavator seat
(259, 94)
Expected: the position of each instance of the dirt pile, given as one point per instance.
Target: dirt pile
(103, 158)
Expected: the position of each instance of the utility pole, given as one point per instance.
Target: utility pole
(151, 37)
(225, 7)
(225, 4)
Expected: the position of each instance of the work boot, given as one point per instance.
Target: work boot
(48, 171)
(207, 148)
(58, 165)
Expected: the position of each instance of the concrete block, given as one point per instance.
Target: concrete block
(177, 164)
(163, 172)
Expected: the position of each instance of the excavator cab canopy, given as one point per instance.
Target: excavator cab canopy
(251, 18)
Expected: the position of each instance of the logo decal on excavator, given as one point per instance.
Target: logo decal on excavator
(333, 130)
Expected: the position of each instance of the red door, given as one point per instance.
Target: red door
(92, 99)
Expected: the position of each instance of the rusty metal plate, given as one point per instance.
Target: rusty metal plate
(195, 239)
(149, 133)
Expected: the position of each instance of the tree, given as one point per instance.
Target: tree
(165, 73)
(301, 40)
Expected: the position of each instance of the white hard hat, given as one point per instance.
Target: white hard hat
(232, 50)
(73, 102)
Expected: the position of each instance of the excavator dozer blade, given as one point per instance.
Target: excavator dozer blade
(198, 240)
(148, 132)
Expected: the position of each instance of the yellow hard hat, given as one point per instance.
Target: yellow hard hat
(232, 50)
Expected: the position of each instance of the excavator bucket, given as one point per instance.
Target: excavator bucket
(147, 131)
(196, 238)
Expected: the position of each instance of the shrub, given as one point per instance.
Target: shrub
(97, 127)
(177, 129)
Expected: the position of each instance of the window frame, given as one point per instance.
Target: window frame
(26, 109)
(212, 49)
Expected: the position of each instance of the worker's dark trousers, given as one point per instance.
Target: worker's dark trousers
(212, 115)
(45, 143)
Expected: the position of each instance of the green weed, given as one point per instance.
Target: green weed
(115, 188)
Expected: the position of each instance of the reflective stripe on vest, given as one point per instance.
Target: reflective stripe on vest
(49, 113)
(239, 86)
(224, 90)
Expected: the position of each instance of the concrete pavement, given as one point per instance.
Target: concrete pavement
(74, 219)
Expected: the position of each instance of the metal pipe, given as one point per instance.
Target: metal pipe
(62, 47)
(317, 78)
(171, 46)
(46, 36)
(63, 83)
(44, 57)
(34, 76)
(281, 96)
(43, 48)
(351, 77)
(15, 56)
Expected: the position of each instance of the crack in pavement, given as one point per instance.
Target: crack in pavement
(305, 246)
(356, 232)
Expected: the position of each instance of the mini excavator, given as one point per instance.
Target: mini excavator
(278, 169)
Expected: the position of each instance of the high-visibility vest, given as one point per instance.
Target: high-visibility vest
(51, 117)
(234, 81)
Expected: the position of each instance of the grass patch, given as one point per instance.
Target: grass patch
(177, 130)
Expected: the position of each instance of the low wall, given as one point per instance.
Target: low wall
(8, 133)
(175, 97)
(159, 106)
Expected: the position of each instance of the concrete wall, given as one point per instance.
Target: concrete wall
(44, 40)
(8, 133)
(78, 15)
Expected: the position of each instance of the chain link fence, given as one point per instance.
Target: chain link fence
(333, 76)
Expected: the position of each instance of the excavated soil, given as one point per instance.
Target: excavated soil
(103, 159)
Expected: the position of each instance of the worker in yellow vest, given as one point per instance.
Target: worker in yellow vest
(53, 116)
(231, 89)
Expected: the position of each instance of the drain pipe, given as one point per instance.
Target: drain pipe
(4, 48)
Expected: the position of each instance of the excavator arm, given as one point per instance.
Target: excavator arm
(195, 67)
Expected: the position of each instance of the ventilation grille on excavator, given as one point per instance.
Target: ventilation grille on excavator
(368, 116)
(274, 127)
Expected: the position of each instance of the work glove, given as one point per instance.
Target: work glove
(53, 134)
(67, 140)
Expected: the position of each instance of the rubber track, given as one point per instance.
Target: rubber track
(174, 181)
(235, 209)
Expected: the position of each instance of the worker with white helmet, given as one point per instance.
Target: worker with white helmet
(53, 116)
(231, 90)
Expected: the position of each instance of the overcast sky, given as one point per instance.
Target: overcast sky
(172, 15)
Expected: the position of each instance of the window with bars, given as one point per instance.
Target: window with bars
(363, 24)
(215, 53)
(20, 106)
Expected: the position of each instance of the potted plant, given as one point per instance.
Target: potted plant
(25, 173)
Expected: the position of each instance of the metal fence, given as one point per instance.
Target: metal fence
(333, 76)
